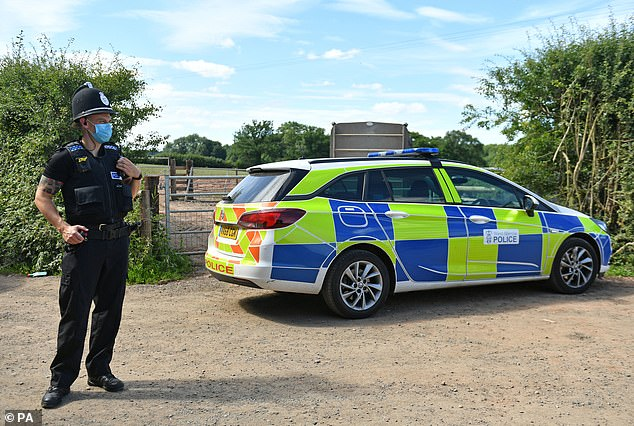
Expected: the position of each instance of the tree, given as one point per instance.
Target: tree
(455, 145)
(460, 146)
(419, 141)
(35, 116)
(569, 108)
(303, 141)
(254, 143)
(198, 145)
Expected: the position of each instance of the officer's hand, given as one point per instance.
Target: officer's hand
(74, 234)
(128, 167)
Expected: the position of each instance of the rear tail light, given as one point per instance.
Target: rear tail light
(270, 219)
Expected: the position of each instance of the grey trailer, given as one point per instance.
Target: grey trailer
(360, 138)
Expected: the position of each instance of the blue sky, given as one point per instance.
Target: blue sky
(215, 65)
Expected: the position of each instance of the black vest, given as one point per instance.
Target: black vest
(95, 192)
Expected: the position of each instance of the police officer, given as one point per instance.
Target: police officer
(97, 185)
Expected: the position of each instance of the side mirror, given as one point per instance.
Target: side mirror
(530, 204)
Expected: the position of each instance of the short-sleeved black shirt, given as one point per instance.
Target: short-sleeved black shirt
(94, 192)
(60, 166)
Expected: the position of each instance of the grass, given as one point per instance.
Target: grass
(621, 271)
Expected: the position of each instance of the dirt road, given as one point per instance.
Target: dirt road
(204, 352)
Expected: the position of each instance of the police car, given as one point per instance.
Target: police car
(357, 230)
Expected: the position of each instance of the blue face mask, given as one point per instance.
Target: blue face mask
(103, 132)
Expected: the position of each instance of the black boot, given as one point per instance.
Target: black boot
(53, 396)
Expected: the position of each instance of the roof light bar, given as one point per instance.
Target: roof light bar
(426, 151)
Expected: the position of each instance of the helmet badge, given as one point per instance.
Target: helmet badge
(103, 98)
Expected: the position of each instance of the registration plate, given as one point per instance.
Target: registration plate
(228, 231)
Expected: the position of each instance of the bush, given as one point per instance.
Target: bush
(35, 116)
(154, 261)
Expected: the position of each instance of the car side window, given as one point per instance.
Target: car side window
(480, 189)
(409, 185)
(347, 187)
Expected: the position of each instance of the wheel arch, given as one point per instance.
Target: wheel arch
(587, 238)
(378, 251)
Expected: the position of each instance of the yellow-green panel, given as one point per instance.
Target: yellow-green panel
(547, 258)
(454, 194)
(554, 241)
(224, 247)
(456, 259)
(423, 222)
(518, 219)
(314, 180)
(318, 226)
(386, 246)
(447, 191)
(482, 263)
(590, 226)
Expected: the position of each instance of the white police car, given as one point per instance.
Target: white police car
(356, 230)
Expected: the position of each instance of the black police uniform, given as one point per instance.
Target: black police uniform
(95, 270)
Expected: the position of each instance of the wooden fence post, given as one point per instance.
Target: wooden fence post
(149, 205)
(172, 163)
(152, 185)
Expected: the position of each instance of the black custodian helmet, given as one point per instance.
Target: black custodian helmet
(87, 101)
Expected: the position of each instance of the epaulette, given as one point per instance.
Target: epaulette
(79, 155)
(112, 147)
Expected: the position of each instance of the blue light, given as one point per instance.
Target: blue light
(407, 151)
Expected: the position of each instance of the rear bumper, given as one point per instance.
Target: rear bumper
(234, 280)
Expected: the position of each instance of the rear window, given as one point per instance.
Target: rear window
(259, 187)
(347, 187)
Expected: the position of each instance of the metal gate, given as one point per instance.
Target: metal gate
(189, 205)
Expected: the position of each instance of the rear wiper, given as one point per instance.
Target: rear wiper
(227, 198)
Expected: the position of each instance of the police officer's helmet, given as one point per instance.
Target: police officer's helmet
(87, 101)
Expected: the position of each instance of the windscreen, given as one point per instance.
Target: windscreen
(258, 187)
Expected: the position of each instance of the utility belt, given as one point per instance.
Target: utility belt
(110, 231)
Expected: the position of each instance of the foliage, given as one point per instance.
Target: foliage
(195, 144)
(144, 146)
(199, 160)
(455, 145)
(35, 116)
(302, 141)
(253, 144)
(154, 261)
(259, 142)
(569, 108)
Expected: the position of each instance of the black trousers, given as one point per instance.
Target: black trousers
(93, 271)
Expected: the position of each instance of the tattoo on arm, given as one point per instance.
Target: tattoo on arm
(50, 186)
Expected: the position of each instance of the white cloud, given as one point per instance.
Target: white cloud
(205, 69)
(379, 8)
(39, 16)
(449, 16)
(219, 23)
(335, 54)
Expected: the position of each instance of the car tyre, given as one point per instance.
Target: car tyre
(356, 285)
(575, 267)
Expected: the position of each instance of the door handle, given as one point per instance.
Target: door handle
(396, 214)
(480, 220)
